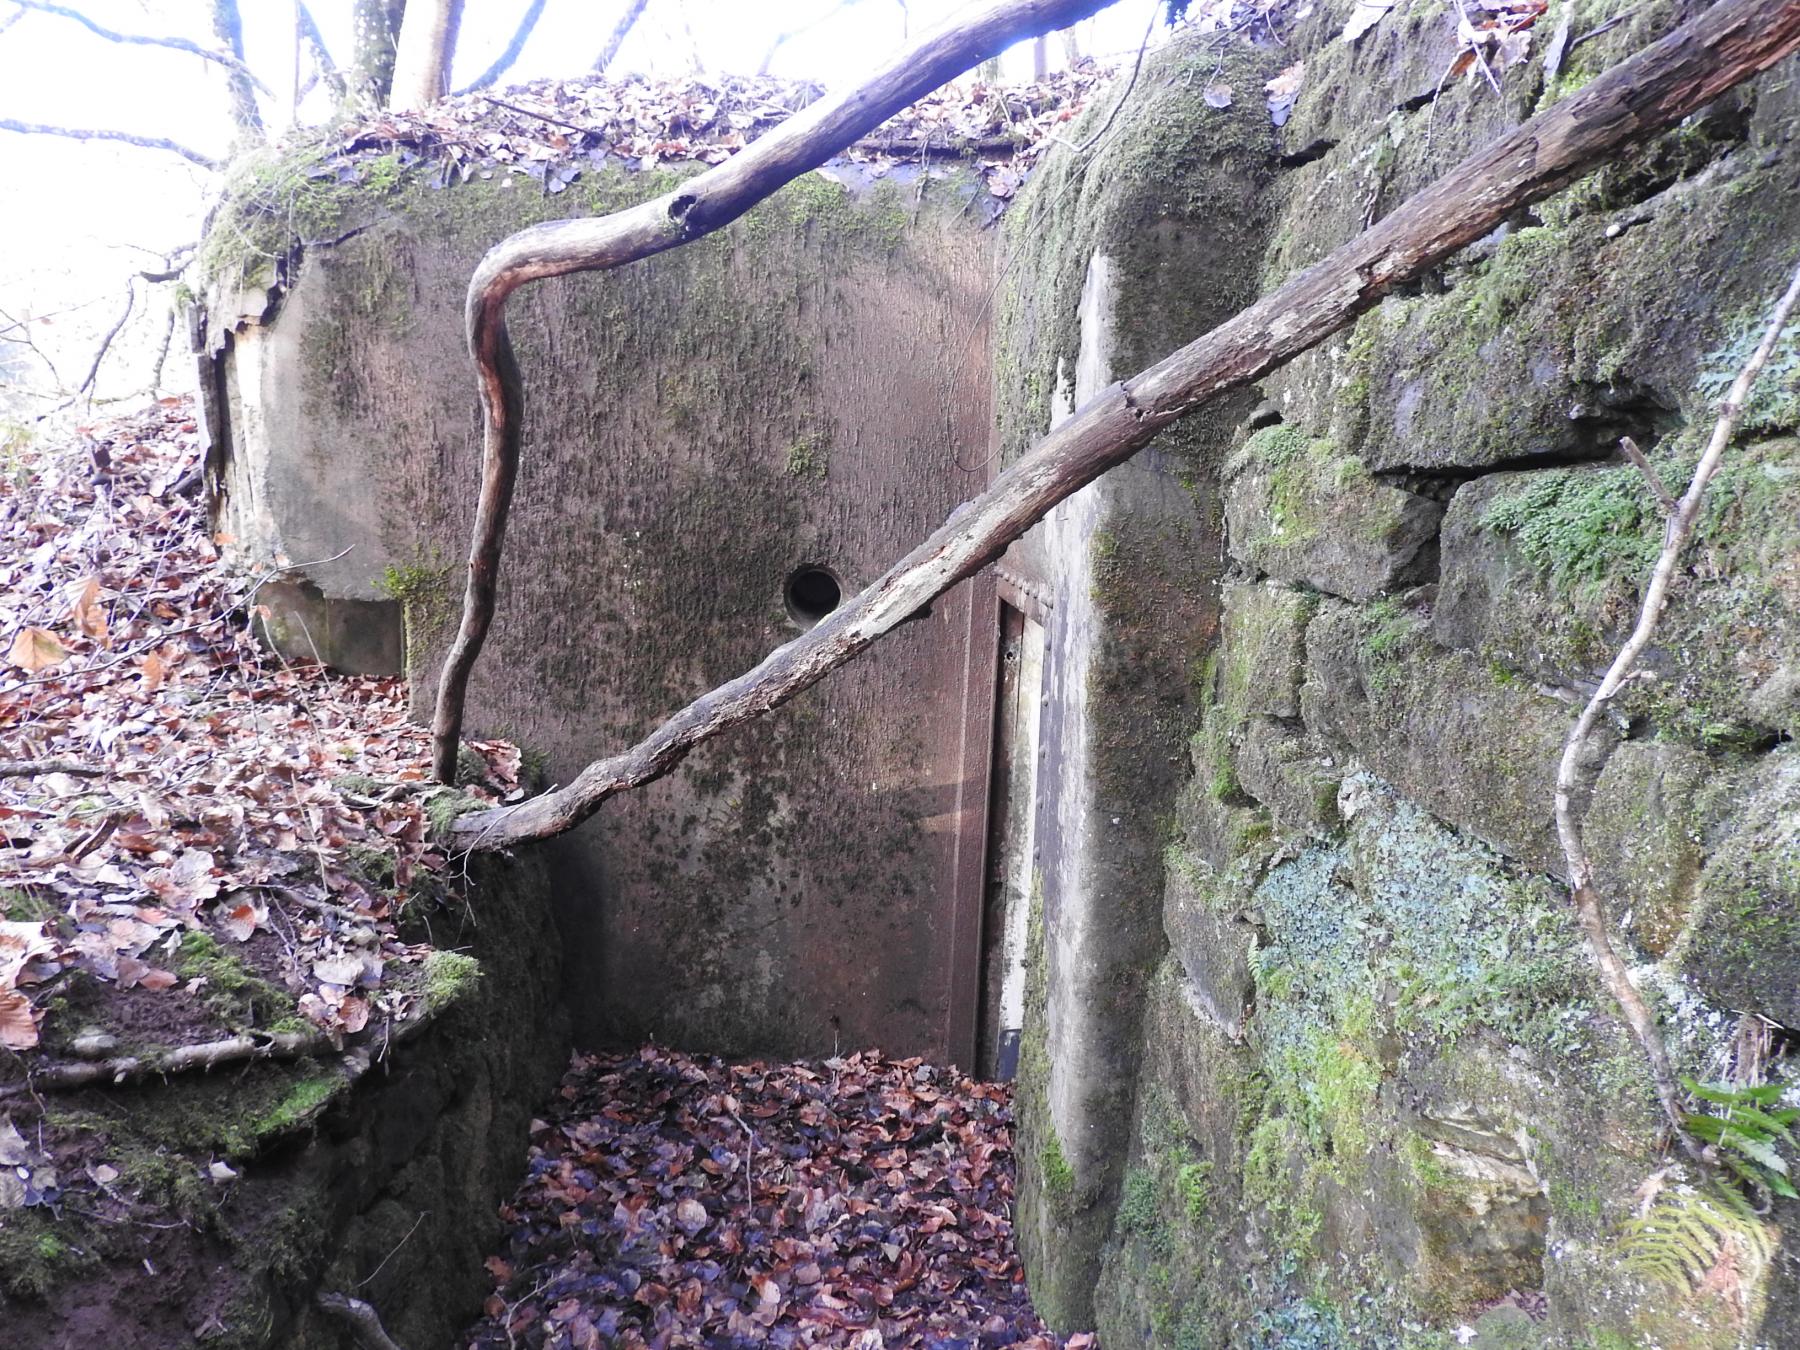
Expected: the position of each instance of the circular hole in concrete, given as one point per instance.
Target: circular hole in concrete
(812, 593)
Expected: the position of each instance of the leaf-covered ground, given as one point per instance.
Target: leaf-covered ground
(197, 840)
(675, 1200)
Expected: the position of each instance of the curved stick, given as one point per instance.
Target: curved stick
(1579, 764)
(701, 205)
(1654, 89)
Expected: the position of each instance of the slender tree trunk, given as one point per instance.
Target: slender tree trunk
(634, 10)
(504, 62)
(1654, 89)
(375, 37)
(1040, 58)
(228, 27)
(427, 46)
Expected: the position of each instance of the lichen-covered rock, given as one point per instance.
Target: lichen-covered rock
(1645, 830)
(1477, 744)
(1302, 511)
(1212, 939)
(1542, 572)
(1743, 945)
(1262, 647)
(1290, 774)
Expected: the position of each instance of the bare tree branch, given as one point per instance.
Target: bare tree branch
(233, 63)
(634, 10)
(1581, 759)
(93, 372)
(11, 19)
(1655, 88)
(322, 62)
(1664, 501)
(123, 137)
(788, 35)
(504, 62)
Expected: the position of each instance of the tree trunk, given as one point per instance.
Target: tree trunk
(375, 37)
(427, 45)
(1654, 89)
(634, 10)
(504, 62)
(228, 27)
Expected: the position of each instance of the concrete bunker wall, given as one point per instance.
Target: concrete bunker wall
(1312, 1054)
(807, 389)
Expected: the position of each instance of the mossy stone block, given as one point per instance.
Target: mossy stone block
(1303, 512)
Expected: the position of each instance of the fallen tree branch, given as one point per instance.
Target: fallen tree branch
(124, 137)
(31, 768)
(243, 1049)
(232, 63)
(365, 1322)
(699, 206)
(1655, 88)
(1581, 762)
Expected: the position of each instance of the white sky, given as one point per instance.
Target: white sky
(75, 216)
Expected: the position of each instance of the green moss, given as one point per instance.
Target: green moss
(809, 457)
(26, 906)
(411, 582)
(449, 976)
(1058, 1175)
(1581, 526)
(1773, 406)
(445, 805)
(1194, 1185)
(37, 1253)
(235, 993)
(301, 1103)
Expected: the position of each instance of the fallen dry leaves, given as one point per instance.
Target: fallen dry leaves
(675, 1200)
(551, 130)
(205, 801)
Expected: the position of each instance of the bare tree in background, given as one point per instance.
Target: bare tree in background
(228, 27)
(427, 45)
(375, 38)
(504, 62)
(634, 10)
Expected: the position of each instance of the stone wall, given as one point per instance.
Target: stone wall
(806, 388)
(1359, 1085)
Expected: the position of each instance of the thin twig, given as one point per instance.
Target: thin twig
(1629, 448)
(101, 134)
(193, 48)
(1579, 760)
(533, 112)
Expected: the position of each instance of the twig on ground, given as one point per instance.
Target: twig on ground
(1580, 762)
(31, 768)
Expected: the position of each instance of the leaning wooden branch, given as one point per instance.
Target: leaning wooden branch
(698, 207)
(1660, 85)
(1580, 760)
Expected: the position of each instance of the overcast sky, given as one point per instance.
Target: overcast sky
(73, 214)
